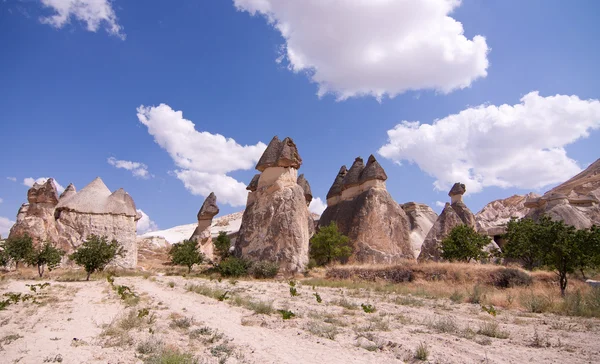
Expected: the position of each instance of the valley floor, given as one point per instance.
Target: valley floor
(177, 319)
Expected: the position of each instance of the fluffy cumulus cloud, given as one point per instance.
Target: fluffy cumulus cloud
(145, 224)
(317, 206)
(203, 159)
(520, 145)
(93, 13)
(375, 47)
(440, 204)
(5, 225)
(29, 182)
(137, 169)
(13, 179)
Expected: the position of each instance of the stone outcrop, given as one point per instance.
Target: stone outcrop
(420, 218)
(275, 224)
(202, 234)
(576, 201)
(494, 216)
(359, 203)
(454, 214)
(70, 219)
(302, 182)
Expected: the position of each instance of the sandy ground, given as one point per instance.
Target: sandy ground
(81, 322)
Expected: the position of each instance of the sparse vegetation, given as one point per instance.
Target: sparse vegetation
(96, 253)
(510, 277)
(234, 267)
(264, 270)
(286, 314)
(491, 329)
(368, 308)
(186, 254)
(422, 352)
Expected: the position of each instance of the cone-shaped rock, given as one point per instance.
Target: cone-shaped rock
(270, 155)
(202, 233)
(302, 182)
(68, 192)
(453, 215)
(372, 171)
(376, 225)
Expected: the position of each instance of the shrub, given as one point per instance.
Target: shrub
(222, 245)
(45, 255)
(510, 277)
(186, 253)
(464, 244)
(535, 303)
(422, 352)
(19, 249)
(234, 267)
(96, 253)
(264, 269)
(491, 329)
(286, 314)
(329, 245)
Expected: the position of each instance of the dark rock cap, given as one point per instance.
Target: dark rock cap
(457, 189)
(43, 193)
(253, 186)
(336, 187)
(280, 154)
(209, 208)
(302, 182)
(353, 176)
(373, 170)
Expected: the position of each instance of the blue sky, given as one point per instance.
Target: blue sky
(83, 81)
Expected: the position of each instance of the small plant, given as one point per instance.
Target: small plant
(34, 287)
(477, 295)
(535, 303)
(150, 346)
(233, 282)
(422, 352)
(171, 284)
(96, 253)
(143, 313)
(286, 314)
(234, 267)
(510, 277)
(293, 290)
(223, 297)
(491, 310)
(491, 329)
(264, 269)
(368, 308)
(186, 253)
(444, 325)
(182, 323)
(318, 297)
(222, 245)
(456, 297)
(171, 356)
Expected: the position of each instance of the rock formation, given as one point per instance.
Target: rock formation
(302, 182)
(494, 216)
(359, 203)
(275, 224)
(202, 234)
(70, 219)
(454, 214)
(576, 201)
(420, 218)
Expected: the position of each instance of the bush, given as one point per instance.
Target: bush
(19, 249)
(222, 245)
(96, 253)
(510, 277)
(329, 245)
(264, 269)
(234, 267)
(186, 253)
(464, 244)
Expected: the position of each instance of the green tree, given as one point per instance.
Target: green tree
(186, 253)
(525, 241)
(463, 244)
(329, 245)
(46, 255)
(4, 259)
(222, 245)
(96, 253)
(19, 249)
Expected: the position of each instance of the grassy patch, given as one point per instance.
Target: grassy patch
(491, 329)
(422, 352)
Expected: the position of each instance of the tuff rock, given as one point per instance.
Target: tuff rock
(202, 234)
(276, 223)
(420, 218)
(362, 208)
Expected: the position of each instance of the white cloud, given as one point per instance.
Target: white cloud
(30, 181)
(317, 206)
(203, 159)
(14, 179)
(137, 169)
(375, 47)
(1, 200)
(505, 146)
(91, 12)
(440, 204)
(145, 224)
(5, 225)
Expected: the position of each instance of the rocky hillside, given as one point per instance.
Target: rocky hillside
(494, 216)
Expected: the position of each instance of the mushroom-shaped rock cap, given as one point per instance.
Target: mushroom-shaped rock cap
(68, 192)
(302, 182)
(253, 186)
(353, 176)
(373, 170)
(280, 154)
(336, 187)
(43, 193)
(209, 208)
(457, 189)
